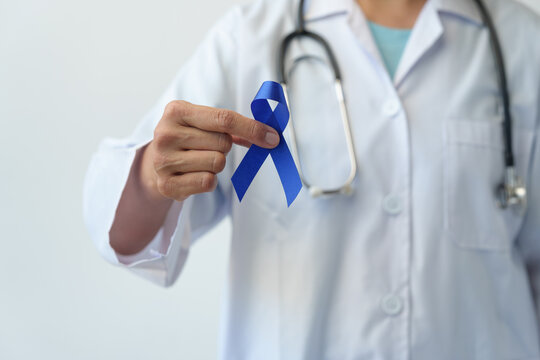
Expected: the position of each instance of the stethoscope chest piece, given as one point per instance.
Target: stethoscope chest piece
(513, 192)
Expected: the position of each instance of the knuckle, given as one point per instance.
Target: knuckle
(165, 186)
(207, 182)
(159, 159)
(218, 163)
(181, 164)
(170, 109)
(225, 143)
(162, 138)
(186, 137)
(225, 119)
(158, 131)
(256, 130)
(176, 109)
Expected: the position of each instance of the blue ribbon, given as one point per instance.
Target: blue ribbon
(255, 157)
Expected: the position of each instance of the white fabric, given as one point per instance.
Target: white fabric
(419, 263)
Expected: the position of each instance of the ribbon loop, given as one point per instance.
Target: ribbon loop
(281, 155)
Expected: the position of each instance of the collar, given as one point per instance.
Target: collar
(466, 9)
(318, 9)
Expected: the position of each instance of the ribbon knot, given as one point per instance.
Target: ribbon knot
(255, 157)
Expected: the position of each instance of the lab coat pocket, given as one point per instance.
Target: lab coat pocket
(474, 168)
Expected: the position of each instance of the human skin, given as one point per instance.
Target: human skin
(190, 145)
(400, 14)
(188, 150)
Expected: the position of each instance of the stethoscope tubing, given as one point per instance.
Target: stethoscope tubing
(510, 192)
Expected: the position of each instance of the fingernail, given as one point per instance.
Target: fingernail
(271, 138)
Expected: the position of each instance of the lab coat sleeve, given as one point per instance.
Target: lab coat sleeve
(208, 78)
(529, 239)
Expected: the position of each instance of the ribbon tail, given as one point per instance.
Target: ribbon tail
(286, 168)
(248, 168)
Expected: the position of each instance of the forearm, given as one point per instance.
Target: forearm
(141, 210)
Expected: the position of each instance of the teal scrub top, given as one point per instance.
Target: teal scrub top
(391, 43)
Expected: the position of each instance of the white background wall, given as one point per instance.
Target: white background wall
(72, 72)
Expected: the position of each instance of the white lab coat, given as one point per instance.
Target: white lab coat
(419, 263)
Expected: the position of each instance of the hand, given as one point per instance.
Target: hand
(190, 146)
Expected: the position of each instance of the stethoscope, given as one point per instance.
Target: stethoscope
(511, 192)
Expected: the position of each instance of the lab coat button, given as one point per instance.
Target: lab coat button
(391, 305)
(391, 108)
(392, 205)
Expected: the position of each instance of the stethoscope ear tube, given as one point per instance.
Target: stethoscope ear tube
(299, 33)
(285, 44)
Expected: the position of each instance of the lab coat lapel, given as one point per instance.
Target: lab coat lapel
(359, 26)
(426, 32)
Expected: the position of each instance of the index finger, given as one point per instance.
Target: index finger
(232, 123)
